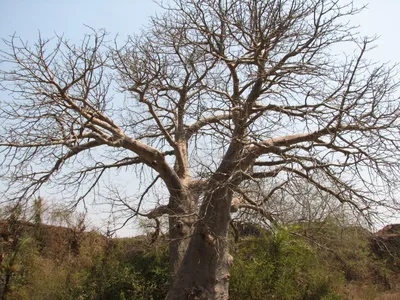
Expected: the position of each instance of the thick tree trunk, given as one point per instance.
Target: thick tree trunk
(179, 234)
(181, 227)
(204, 270)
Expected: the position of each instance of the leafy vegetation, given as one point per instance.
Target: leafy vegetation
(319, 260)
(279, 267)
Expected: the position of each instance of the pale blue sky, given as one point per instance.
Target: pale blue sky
(27, 17)
(68, 17)
(381, 18)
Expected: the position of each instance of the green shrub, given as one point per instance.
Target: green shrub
(278, 266)
(102, 269)
(312, 261)
(119, 274)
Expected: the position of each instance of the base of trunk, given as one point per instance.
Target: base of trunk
(204, 271)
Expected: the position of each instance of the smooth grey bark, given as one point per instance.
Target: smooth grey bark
(181, 226)
(204, 270)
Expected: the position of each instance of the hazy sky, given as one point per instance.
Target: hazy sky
(26, 18)
(123, 17)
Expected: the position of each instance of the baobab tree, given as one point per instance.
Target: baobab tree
(223, 100)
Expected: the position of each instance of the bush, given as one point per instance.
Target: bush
(278, 266)
(103, 269)
(118, 274)
(316, 260)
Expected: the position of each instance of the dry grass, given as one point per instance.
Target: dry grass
(391, 296)
(357, 291)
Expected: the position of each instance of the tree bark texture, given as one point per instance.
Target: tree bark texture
(204, 269)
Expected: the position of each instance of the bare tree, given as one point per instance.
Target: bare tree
(220, 95)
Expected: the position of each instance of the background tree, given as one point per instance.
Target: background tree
(220, 96)
(16, 249)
